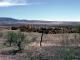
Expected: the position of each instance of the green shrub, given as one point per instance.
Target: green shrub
(16, 38)
(20, 40)
(11, 37)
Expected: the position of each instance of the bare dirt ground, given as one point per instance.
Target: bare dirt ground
(10, 57)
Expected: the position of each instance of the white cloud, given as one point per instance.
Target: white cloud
(7, 3)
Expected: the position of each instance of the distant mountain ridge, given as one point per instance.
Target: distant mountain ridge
(11, 21)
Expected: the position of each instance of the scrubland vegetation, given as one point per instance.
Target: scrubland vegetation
(39, 44)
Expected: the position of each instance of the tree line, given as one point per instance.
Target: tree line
(50, 30)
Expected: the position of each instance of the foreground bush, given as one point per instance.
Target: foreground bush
(16, 38)
(11, 37)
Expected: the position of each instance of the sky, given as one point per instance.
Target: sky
(50, 10)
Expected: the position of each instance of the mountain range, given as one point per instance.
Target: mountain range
(11, 21)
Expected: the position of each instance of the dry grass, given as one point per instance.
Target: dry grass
(50, 45)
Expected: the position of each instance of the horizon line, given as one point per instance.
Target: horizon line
(42, 19)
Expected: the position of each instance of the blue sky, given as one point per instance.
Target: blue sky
(51, 10)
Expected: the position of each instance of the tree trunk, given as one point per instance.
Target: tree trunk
(10, 44)
(41, 39)
(19, 46)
